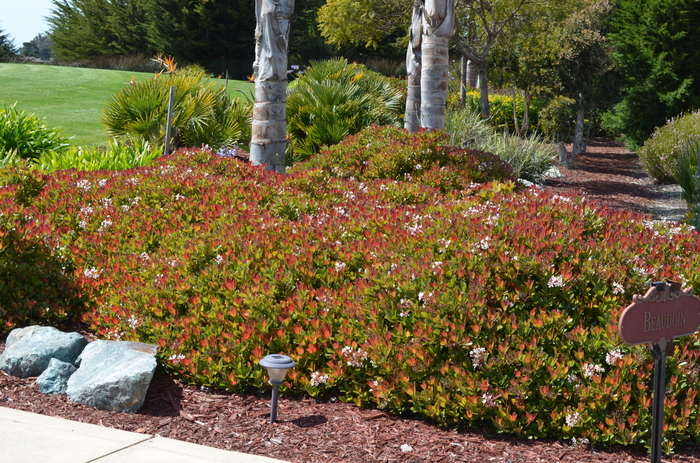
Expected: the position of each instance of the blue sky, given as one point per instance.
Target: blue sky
(23, 20)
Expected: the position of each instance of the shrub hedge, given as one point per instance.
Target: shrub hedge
(659, 155)
(485, 307)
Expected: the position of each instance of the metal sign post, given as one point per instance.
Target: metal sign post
(665, 312)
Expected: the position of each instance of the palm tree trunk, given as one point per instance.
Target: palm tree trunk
(269, 130)
(413, 67)
(438, 27)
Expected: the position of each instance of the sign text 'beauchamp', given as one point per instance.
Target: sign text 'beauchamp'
(667, 314)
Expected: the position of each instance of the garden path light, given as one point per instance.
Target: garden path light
(277, 366)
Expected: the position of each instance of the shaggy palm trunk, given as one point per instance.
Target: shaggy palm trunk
(413, 68)
(268, 142)
(438, 27)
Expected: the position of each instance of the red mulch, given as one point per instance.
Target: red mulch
(308, 431)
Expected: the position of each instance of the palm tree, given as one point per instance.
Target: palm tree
(413, 66)
(268, 142)
(438, 27)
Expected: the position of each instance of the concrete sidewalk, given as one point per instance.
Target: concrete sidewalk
(28, 438)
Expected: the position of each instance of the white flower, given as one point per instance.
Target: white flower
(612, 357)
(179, 197)
(84, 185)
(404, 314)
(489, 400)
(590, 370)
(175, 358)
(339, 266)
(87, 210)
(354, 358)
(106, 224)
(92, 273)
(106, 202)
(219, 259)
(571, 378)
(618, 288)
(478, 355)
(572, 419)
(133, 322)
(318, 378)
(555, 281)
(484, 243)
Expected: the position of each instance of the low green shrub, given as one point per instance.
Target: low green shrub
(501, 106)
(203, 114)
(659, 154)
(496, 309)
(687, 175)
(114, 156)
(387, 152)
(334, 99)
(24, 135)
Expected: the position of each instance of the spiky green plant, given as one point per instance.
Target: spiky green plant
(203, 114)
(24, 135)
(115, 156)
(334, 99)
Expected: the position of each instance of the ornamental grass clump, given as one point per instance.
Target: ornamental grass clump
(493, 308)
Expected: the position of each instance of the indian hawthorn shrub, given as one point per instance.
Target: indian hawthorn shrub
(391, 153)
(485, 307)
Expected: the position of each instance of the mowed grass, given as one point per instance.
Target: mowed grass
(73, 99)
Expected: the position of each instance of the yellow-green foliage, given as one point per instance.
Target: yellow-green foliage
(502, 109)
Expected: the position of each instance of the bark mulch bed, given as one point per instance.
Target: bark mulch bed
(308, 431)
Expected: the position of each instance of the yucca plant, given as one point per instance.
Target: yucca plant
(23, 134)
(334, 99)
(203, 114)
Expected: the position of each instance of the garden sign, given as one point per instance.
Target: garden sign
(665, 312)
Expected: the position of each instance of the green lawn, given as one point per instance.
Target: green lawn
(72, 98)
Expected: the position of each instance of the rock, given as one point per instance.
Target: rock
(29, 350)
(406, 448)
(113, 375)
(54, 379)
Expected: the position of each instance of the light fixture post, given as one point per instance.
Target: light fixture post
(277, 366)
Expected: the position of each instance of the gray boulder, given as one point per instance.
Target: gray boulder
(29, 350)
(113, 375)
(54, 379)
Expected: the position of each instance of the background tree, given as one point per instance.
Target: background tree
(39, 47)
(657, 49)
(7, 46)
(88, 29)
(218, 35)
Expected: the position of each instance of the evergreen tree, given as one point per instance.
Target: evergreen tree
(657, 49)
(88, 29)
(216, 34)
(7, 46)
